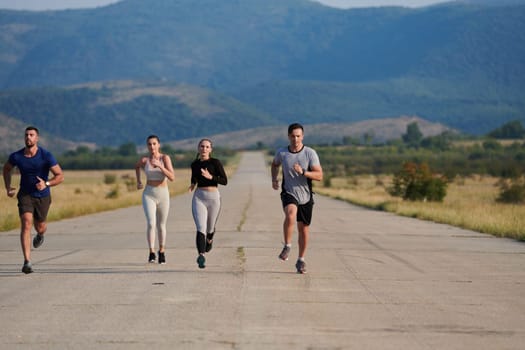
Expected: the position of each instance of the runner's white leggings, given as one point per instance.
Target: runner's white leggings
(205, 207)
(156, 204)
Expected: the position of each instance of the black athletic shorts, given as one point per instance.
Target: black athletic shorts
(304, 211)
(38, 206)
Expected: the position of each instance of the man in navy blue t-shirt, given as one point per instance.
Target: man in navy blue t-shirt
(34, 197)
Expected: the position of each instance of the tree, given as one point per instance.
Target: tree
(413, 136)
(439, 142)
(127, 149)
(510, 130)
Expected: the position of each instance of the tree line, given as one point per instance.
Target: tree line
(126, 155)
(423, 166)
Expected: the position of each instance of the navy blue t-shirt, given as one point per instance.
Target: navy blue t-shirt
(30, 168)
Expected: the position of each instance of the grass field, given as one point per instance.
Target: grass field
(470, 203)
(87, 192)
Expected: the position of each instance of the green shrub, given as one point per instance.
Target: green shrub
(416, 182)
(512, 191)
(110, 179)
(114, 193)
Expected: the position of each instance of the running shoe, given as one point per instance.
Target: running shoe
(201, 260)
(300, 266)
(209, 245)
(38, 240)
(151, 257)
(27, 268)
(162, 258)
(284, 253)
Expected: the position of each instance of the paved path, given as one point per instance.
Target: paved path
(375, 281)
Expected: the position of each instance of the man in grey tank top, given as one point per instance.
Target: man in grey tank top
(300, 165)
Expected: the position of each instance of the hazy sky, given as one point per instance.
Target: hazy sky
(62, 4)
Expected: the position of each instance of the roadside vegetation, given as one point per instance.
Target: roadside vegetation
(470, 203)
(473, 183)
(476, 184)
(86, 192)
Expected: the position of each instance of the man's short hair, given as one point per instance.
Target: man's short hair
(33, 128)
(294, 126)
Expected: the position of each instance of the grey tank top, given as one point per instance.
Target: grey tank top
(152, 173)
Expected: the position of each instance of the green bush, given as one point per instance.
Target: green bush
(327, 181)
(416, 182)
(512, 191)
(114, 193)
(110, 179)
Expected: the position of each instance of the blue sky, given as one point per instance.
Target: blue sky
(62, 4)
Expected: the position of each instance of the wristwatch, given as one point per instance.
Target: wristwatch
(48, 184)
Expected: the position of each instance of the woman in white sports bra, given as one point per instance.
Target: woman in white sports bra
(156, 196)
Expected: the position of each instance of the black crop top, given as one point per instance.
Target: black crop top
(215, 168)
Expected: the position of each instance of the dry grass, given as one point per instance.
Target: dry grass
(85, 192)
(470, 203)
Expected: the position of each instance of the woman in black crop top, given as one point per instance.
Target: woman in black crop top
(206, 174)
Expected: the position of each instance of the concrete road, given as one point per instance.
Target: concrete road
(375, 281)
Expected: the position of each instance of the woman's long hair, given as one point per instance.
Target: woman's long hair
(199, 144)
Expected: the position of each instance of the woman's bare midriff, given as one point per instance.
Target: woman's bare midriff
(208, 188)
(157, 183)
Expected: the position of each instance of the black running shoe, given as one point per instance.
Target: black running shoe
(27, 268)
(209, 245)
(38, 240)
(201, 260)
(151, 257)
(284, 253)
(300, 266)
(162, 258)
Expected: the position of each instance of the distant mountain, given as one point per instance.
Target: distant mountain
(379, 131)
(12, 138)
(271, 61)
(231, 44)
(492, 2)
(113, 113)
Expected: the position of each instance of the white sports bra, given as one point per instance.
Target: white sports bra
(152, 173)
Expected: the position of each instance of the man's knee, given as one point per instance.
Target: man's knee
(40, 227)
(26, 219)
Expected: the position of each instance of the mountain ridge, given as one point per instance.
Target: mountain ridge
(266, 62)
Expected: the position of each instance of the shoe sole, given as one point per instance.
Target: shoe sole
(27, 270)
